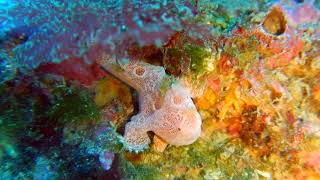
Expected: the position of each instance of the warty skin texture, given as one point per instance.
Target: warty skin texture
(171, 115)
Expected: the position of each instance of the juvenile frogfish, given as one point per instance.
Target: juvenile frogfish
(171, 115)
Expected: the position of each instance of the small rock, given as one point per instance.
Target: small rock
(106, 159)
(159, 145)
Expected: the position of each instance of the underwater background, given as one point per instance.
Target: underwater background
(160, 89)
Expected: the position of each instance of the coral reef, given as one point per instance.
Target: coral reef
(259, 103)
(179, 89)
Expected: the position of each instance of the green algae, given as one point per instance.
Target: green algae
(166, 84)
(211, 159)
(35, 126)
(16, 116)
(13, 122)
(198, 56)
(217, 156)
(223, 15)
(131, 172)
(220, 21)
(73, 105)
(244, 50)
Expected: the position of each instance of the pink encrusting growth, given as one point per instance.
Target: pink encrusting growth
(170, 114)
(74, 69)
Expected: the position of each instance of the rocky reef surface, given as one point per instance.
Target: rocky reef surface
(191, 89)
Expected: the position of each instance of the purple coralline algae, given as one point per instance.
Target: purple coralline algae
(58, 30)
